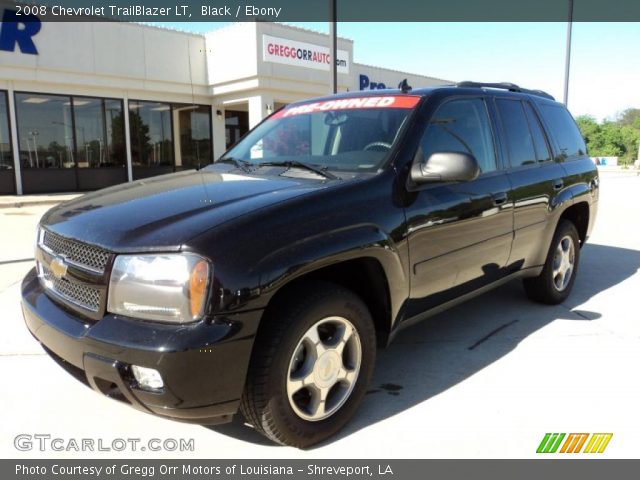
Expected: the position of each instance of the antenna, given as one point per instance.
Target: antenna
(404, 86)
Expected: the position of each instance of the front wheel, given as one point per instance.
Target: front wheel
(312, 362)
(555, 282)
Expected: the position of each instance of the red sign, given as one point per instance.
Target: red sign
(352, 103)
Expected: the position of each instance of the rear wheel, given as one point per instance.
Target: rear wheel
(312, 362)
(555, 282)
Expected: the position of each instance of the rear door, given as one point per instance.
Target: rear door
(459, 233)
(535, 176)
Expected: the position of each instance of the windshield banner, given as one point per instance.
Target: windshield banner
(394, 101)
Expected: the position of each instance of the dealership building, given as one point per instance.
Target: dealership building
(85, 105)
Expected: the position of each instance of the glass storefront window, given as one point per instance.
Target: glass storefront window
(194, 127)
(99, 132)
(151, 134)
(45, 131)
(64, 138)
(6, 157)
(116, 144)
(168, 137)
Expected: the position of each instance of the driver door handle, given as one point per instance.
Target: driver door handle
(499, 198)
(558, 183)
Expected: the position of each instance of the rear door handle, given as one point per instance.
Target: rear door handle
(558, 183)
(499, 198)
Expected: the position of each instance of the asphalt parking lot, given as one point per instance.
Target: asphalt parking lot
(486, 379)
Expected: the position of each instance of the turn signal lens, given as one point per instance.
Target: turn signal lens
(198, 281)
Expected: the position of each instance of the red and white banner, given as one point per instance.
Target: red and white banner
(352, 103)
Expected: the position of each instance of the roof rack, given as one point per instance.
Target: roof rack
(512, 87)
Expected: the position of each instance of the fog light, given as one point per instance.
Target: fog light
(147, 378)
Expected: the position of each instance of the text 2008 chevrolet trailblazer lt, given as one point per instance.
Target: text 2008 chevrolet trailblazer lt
(264, 282)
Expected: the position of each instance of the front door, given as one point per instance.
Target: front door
(236, 124)
(459, 233)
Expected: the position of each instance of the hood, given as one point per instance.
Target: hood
(162, 213)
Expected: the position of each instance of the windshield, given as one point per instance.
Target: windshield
(350, 134)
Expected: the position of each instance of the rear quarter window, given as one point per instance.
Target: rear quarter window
(563, 131)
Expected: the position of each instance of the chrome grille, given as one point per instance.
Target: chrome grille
(83, 255)
(78, 294)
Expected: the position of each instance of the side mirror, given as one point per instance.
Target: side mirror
(445, 167)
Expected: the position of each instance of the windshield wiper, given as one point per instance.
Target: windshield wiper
(296, 163)
(243, 165)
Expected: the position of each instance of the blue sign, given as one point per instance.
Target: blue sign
(366, 84)
(18, 30)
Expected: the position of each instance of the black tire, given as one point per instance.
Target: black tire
(265, 402)
(543, 288)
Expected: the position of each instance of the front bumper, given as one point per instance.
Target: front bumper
(203, 365)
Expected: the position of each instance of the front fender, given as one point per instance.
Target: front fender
(300, 258)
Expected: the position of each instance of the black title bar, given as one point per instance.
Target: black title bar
(315, 469)
(318, 10)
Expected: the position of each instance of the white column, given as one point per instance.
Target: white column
(15, 147)
(259, 107)
(218, 131)
(177, 148)
(127, 136)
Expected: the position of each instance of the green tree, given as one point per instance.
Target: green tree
(630, 116)
(588, 127)
(608, 141)
(620, 138)
(629, 123)
(630, 141)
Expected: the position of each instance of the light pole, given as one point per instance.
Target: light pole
(333, 47)
(567, 63)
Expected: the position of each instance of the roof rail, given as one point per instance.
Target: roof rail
(512, 87)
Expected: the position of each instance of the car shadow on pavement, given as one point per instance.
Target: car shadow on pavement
(437, 354)
(240, 431)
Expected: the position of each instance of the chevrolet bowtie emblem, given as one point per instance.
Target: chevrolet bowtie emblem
(58, 267)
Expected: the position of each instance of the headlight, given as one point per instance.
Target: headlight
(166, 288)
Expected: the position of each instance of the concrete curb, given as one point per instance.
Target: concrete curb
(606, 169)
(29, 204)
(29, 201)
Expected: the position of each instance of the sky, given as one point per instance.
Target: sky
(605, 57)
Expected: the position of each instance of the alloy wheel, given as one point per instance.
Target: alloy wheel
(563, 263)
(324, 368)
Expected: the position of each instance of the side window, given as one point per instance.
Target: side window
(564, 131)
(461, 125)
(542, 149)
(517, 133)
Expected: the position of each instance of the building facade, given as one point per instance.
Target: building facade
(85, 105)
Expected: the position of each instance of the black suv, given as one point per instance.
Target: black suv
(265, 281)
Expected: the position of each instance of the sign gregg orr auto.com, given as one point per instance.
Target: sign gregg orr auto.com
(301, 54)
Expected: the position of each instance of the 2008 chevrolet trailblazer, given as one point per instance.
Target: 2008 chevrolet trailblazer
(265, 281)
